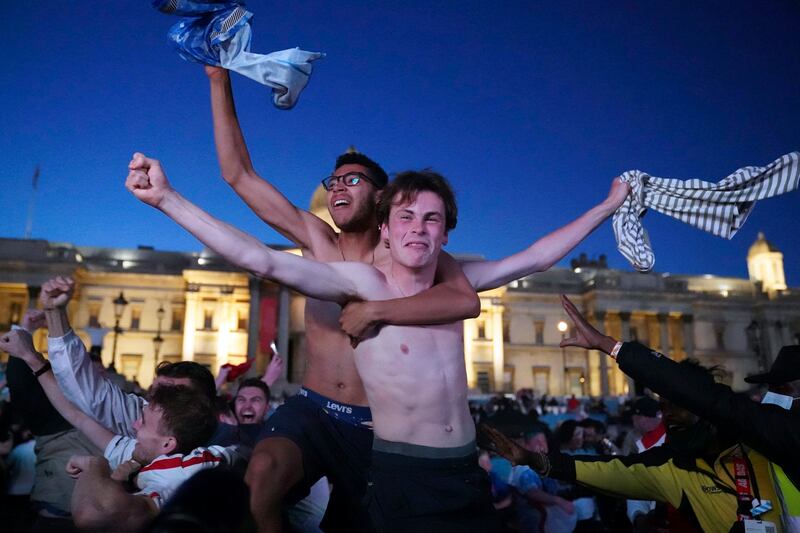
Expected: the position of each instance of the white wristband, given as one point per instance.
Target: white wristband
(615, 351)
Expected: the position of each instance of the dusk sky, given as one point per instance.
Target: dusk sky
(529, 108)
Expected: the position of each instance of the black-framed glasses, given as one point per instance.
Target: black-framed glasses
(351, 179)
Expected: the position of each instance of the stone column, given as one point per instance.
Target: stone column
(498, 355)
(785, 333)
(253, 317)
(224, 308)
(663, 330)
(688, 335)
(600, 324)
(774, 340)
(625, 322)
(190, 321)
(283, 328)
(470, 331)
(33, 295)
(625, 319)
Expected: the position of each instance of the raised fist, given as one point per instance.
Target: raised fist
(56, 292)
(146, 180)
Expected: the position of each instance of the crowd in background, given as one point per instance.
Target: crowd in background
(75, 453)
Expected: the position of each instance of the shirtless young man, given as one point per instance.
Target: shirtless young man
(415, 376)
(326, 430)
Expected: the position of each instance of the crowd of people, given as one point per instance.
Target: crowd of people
(381, 436)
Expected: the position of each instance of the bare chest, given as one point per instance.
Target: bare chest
(412, 349)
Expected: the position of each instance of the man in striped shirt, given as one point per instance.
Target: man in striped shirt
(166, 450)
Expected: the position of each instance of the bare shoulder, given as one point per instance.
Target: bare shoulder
(321, 236)
(323, 250)
(370, 282)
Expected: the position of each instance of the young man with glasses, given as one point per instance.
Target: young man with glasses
(351, 199)
(326, 429)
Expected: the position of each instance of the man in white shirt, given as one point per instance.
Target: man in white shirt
(84, 385)
(165, 451)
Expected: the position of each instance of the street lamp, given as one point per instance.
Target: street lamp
(158, 340)
(563, 327)
(119, 307)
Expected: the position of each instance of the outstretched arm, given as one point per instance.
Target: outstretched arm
(301, 227)
(638, 476)
(767, 428)
(323, 281)
(450, 300)
(548, 250)
(78, 378)
(19, 344)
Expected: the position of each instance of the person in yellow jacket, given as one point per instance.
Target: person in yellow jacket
(689, 481)
(702, 488)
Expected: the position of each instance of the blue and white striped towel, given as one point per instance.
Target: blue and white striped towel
(720, 208)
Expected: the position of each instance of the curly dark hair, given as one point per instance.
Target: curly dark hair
(376, 172)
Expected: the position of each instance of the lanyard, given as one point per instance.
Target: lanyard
(741, 475)
(749, 506)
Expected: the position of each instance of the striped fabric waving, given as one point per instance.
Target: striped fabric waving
(720, 208)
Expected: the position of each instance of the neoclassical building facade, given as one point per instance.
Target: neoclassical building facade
(194, 306)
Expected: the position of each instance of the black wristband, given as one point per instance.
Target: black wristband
(42, 370)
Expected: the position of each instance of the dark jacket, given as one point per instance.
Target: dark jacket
(29, 401)
(773, 431)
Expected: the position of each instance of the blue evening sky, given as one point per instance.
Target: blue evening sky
(530, 108)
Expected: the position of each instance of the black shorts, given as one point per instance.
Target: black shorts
(335, 441)
(411, 494)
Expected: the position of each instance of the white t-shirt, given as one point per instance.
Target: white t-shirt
(161, 478)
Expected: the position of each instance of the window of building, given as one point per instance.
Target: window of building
(719, 336)
(538, 329)
(130, 365)
(634, 333)
(241, 320)
(176, 323)
(94, 314)
(484, 383)
(481, 328)
(506, 331)
(484, 377)
(575, 381)
(207, 360)
(208, 319)
(136, 316)
(541, 380)
(237, 359)
(508, 378)
(171, 358)
(15, 312)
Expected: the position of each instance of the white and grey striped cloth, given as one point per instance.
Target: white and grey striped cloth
(719, 208)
